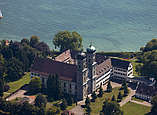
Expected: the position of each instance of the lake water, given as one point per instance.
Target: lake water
(112, 25)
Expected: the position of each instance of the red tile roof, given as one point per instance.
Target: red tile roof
(67, 56)
(46, 66)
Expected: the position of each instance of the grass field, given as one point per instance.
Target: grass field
(52, 105)
(136, 99)
(135, 109)
(19, 83)
(97, 105)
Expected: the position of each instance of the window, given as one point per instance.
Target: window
(70, 85)
(64, 84)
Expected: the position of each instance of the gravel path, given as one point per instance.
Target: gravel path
(142, 103)
(78, 110)
(128, 98)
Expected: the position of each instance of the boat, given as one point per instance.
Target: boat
(1, 16)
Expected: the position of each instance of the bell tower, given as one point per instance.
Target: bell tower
(91, 64)
(82, 75)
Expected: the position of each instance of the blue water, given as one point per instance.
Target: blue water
(112, 25)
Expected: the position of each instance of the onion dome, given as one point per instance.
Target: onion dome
(81, 56)
(91, 49)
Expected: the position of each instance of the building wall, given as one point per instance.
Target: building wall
(143, 97)
(66, 86)
(130, 71)
(102, 80)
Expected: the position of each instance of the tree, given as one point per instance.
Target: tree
(2, 66)
(126, 91)
(34, 40)
(69, 100)
(53, 111)
(53, 87)
(14, 69)
(44, 48)
(88, 109)
(151, 45)
(35, 85)
(124, 84)
(111, 108)
(113, 98)
(100, 92)
(1, 87)
(40, 101)
(154, 105)
(25, 41)
(94, 96)
(63, 104)
(28, 109)
(109, 87)
(67, 40)
(87, 101)
(119, 96)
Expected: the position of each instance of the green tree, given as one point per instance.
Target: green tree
(87, 101)
(35, 85)
(53, 87)
(1, 87)
(53, 111)
(111, 108)
(63, 104)
(2, 66)
(151, 45)
(14, 69)
(34, 40)
(40, 101)
(69, 100)
(119, 96)
(113, 98)
(25, 41)
(100, 92)
(94, 96)
(67, 40)
(124, 84)
(126, 91)
(154, 105)
(109, 87)
(88, 109)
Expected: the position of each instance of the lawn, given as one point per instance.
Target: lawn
(97, 105)
(135, 109)
(18, 84)
(52, 105)
(136, 99)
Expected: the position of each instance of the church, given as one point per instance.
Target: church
(81, 73)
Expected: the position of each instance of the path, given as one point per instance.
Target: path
(128, 98)
(78, 110)
(20, 94)
(142, 103)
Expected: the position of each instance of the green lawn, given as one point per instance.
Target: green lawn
(135, 109)
(51, 104)
(97, 105)
(18, 84)
(136, 99)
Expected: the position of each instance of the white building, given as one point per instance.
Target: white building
(81, 73)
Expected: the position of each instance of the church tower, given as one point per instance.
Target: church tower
(91, 64)
(82, 74)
